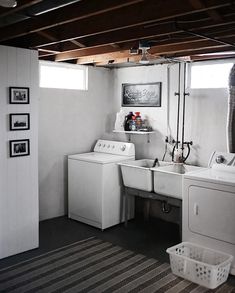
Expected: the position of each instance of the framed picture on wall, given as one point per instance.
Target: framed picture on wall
(141, 95)
(18, 95)
(19, 121)
(19, 148)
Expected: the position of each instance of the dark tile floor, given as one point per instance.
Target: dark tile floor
(151, 238)
(148, 237)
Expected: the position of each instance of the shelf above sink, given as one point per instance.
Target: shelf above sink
(129, 133)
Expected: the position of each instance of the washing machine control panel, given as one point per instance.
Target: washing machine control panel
(227, 159)
(115, 147)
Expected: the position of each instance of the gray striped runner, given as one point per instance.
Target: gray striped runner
(93, 265)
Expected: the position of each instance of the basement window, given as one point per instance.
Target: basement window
(63, 76)
(210, 75)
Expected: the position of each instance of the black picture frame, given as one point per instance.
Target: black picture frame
(19, 121)
(19, 147)
(141, 94)
(19, 95)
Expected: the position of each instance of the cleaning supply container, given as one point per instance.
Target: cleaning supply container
(127, 122)
(138, 121)
(201, 265)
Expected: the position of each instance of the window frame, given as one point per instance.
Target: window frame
(65, 65)
(203, 63)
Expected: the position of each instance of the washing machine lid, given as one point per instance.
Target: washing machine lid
(217, 174)
(100, 158)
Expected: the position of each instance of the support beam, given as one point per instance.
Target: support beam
(197, 4)
(85, 52)
(187, 43)
(155, 52)
(152, 33)
(47, 36)
(70, 13)
(78, 44)
(155, 10)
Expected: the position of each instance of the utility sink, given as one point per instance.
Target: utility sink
(137, 174)
(168, 180)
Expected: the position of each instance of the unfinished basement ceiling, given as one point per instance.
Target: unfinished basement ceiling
(102, 32)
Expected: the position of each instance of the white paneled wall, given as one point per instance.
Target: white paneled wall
(70, 121)
(18, 175)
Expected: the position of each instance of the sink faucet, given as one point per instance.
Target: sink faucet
(156, 163)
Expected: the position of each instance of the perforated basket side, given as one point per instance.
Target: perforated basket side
(186, 261)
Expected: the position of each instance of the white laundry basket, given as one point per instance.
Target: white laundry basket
(201, 265)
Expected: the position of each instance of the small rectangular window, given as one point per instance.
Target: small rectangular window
(210, 75)
(63, 76)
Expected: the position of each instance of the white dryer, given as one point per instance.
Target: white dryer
(209, 205)
(94, 184)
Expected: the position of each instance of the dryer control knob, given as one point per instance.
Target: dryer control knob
(220, 159)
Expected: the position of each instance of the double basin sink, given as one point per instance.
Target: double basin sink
(165, 178)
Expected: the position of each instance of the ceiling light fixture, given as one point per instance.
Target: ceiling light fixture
(144, 46)
(8, 3)
(144, 59)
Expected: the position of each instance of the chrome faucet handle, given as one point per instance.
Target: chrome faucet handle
(220, 159)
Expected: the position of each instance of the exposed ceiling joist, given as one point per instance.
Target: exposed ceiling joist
(150, 12)
(71, 13)
(103, 32)
(155, 32)
(156, 51)
(197, 4)
(63, 56)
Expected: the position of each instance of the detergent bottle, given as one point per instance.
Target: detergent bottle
(128, 119)
(133, 124)
(138, 120)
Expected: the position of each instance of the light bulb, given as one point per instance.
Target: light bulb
(144, 59)
(8, 3)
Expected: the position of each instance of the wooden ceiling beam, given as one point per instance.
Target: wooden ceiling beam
(190, 46)
(101, 57)
(85, 52)
(211, 57)
(142, 14)
(131, 59)
(70, 13)
(156, 51)
(64, 56)
(45, 52)
(47, 36)
(78, 44)
(140, 33)
(197, 4)
(200, 51)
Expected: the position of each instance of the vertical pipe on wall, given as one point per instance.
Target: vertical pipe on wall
(184, 95)
(178, 110)
(231, 113)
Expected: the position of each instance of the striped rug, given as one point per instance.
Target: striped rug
(93, 265)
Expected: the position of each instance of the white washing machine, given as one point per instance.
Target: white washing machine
(94, 184)
(209, 205)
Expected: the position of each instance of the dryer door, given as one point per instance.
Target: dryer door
(212, 213)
